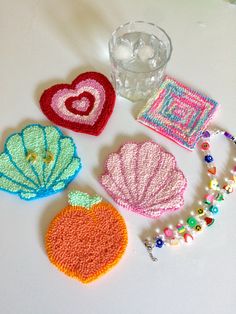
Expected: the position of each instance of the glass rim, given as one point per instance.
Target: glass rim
(147, 23)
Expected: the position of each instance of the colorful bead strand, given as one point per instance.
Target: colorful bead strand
(204, 215)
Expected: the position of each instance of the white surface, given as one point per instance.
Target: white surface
(46, 42)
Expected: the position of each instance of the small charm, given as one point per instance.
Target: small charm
(208, 158)
(228, 135)
(192, 222)
(188, 238)
(149, 246)
(209, 221)
(214, 209)
(206, 134)
(181, 229)
(220, 197)
(200, 211)
(168, 233)
(174, 242)
(212, 170)
(198, 228)
(228, 188)
(159, 243)
(214, 185)
(208, 199)
(205, 146)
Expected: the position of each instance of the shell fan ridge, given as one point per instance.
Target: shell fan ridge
(145, 179)
(37, 162)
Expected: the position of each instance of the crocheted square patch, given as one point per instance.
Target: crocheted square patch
(178, 112)
(83, 106)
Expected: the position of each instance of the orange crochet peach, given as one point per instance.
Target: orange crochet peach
(87, 238)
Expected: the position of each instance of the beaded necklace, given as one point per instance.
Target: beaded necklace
(204, 214)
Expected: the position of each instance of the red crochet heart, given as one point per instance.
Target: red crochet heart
(83, 106)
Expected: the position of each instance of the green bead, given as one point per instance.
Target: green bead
(220, 197)
(192, 222)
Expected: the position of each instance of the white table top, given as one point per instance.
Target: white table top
(44, 42)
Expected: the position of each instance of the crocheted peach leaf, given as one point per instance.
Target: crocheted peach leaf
(144, 178)
(37, 162)
(86, 239)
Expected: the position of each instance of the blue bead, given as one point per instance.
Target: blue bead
(159, 243)
(214, 209)
(208, 158)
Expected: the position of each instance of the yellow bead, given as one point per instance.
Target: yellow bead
(200, 211)
(49, 157)
(198, 228)
(31, 157)
(214, 184)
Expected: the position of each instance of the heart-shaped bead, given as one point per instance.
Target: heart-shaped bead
(83, 106)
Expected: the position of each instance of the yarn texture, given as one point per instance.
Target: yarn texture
(178, 113)
(84, 106)
(145, 179)
(37, 162)
(85, 241)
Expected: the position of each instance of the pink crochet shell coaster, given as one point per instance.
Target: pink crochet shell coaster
(145, 179)
(178, 112)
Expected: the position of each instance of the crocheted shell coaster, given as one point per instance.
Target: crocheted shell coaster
(144, 178)
(84, 106)
(37, 162)
(178, 112)
(87, 238)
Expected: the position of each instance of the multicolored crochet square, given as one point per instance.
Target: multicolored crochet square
(37, 162)
(83, 106)
(178, 112)
(87, 238)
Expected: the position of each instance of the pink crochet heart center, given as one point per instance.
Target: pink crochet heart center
(81, 105)
(70, 104)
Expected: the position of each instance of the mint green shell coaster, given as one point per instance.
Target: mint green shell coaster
(37, 162)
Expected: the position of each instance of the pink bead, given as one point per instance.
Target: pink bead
(209, 197)
(168, 233)
(234, 168)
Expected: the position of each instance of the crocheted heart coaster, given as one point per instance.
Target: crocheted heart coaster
(87, 238)
(84, 106)
(37, 162)
(144, 178)
(178, 112)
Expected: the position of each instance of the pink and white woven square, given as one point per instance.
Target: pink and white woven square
(178, 112)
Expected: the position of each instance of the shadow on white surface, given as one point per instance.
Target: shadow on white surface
(81, 27)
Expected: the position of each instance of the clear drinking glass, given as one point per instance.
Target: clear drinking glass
(139, 52)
